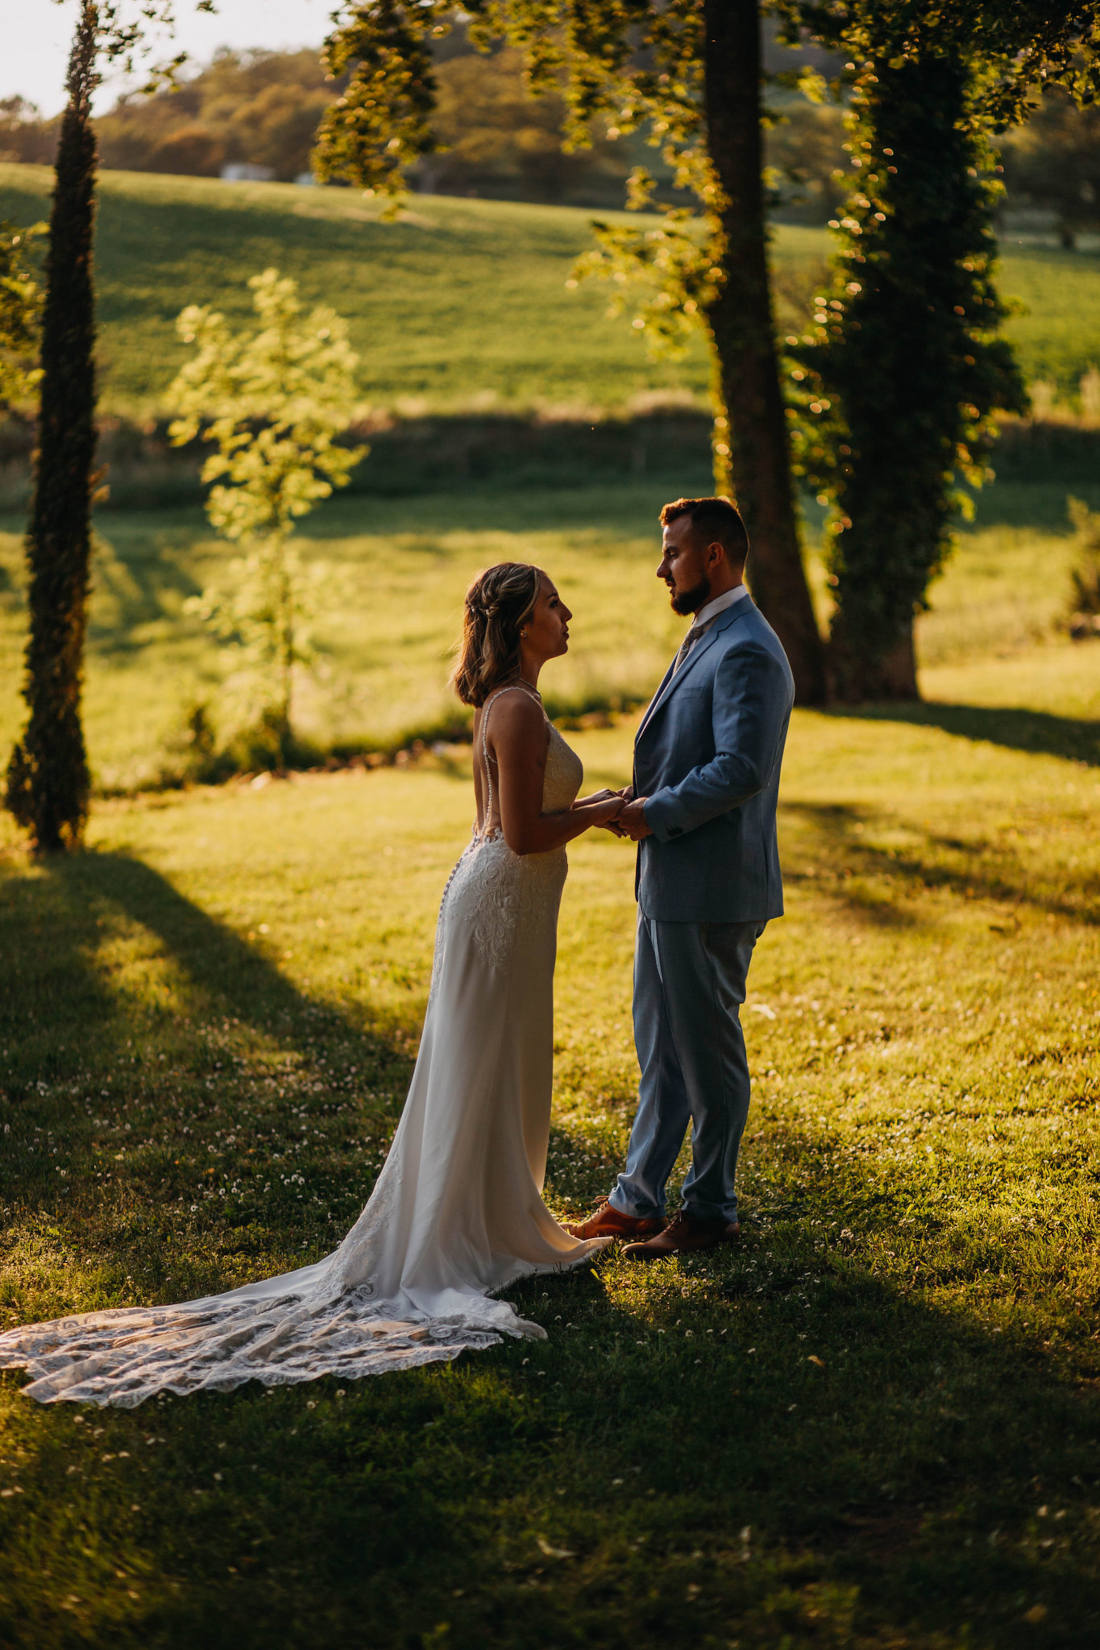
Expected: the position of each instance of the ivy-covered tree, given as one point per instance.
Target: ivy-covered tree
(47, 777)
(904, 365)
(689, 73)
(47, 783)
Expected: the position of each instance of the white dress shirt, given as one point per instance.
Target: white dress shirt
(718, 605)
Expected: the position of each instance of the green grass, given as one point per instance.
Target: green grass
(462, 303)
(873, 1424)
(400, 569)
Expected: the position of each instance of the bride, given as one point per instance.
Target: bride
(456, 1214)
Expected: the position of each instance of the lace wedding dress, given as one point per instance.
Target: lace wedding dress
(456, 1214)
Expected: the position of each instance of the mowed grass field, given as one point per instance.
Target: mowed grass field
(458, 304)
(394, 597)
(870, 1426)
(873, 1424)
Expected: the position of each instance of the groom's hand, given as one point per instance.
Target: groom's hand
(632, 820)
(614, 825)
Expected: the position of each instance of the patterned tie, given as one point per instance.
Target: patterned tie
(689, 641)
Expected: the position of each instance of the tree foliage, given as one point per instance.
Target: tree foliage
(904, 368)
(20, 313)
(687, 76)
(904, 364)
(48, 782)
(272, 404)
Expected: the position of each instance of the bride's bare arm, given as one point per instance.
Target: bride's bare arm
(518, 740)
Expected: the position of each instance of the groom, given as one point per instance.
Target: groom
(702, 810)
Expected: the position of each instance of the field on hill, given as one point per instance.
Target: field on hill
(460, 303)
(869, 1427)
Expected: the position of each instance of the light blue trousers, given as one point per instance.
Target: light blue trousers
(689, 984)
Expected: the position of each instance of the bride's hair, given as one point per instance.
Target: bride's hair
(497, 603)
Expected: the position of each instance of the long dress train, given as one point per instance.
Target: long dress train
(456, 1214)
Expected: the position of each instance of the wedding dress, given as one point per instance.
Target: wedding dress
(456, 1214)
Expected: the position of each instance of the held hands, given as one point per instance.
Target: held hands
(629, 822)
(606, 805)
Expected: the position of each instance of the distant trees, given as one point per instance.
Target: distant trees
(24, 135)
(1053, 163)
(495, 138)
(262, 107)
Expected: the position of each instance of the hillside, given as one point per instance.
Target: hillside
(460, 303)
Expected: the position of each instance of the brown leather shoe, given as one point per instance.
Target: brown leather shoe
(607, 1221)
(684, 1235)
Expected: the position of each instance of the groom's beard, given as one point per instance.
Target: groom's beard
(690, 601)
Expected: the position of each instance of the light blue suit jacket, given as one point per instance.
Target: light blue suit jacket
(707, 757)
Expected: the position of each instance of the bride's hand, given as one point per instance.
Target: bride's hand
(597, 796)
(607, 809)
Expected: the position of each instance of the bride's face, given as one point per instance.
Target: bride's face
(547, 625)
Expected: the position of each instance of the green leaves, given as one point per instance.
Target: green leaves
(20, 309)
(272, 403)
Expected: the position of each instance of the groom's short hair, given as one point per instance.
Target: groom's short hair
(713, 520)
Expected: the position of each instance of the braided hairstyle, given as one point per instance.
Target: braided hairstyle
(497, 604)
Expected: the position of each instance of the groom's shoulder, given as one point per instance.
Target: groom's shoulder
(751, 636)
(748, 628)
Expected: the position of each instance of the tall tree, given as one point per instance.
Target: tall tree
(689, 72)
(47, 778)
(905, 366)
(47, 786)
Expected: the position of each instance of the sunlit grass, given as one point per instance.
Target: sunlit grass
(873, 1424)
(459, 303)
(400, 568)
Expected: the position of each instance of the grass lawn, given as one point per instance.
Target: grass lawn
(872, 1424)
(400, 568)
(461, 303)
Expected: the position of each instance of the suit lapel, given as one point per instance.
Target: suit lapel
(671, 682)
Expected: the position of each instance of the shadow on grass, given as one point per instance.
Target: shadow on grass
(165, 1055)
(1074, 738)
(140, 578)
(770, 1444)
(833, 846)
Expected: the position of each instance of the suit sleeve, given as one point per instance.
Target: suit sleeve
(750, 708)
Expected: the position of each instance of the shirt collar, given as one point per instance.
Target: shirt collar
(718, 605)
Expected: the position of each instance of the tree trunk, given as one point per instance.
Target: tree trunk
(751, 448)
(48, 776)
(858, 677)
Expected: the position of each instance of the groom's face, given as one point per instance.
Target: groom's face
(683, 566)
